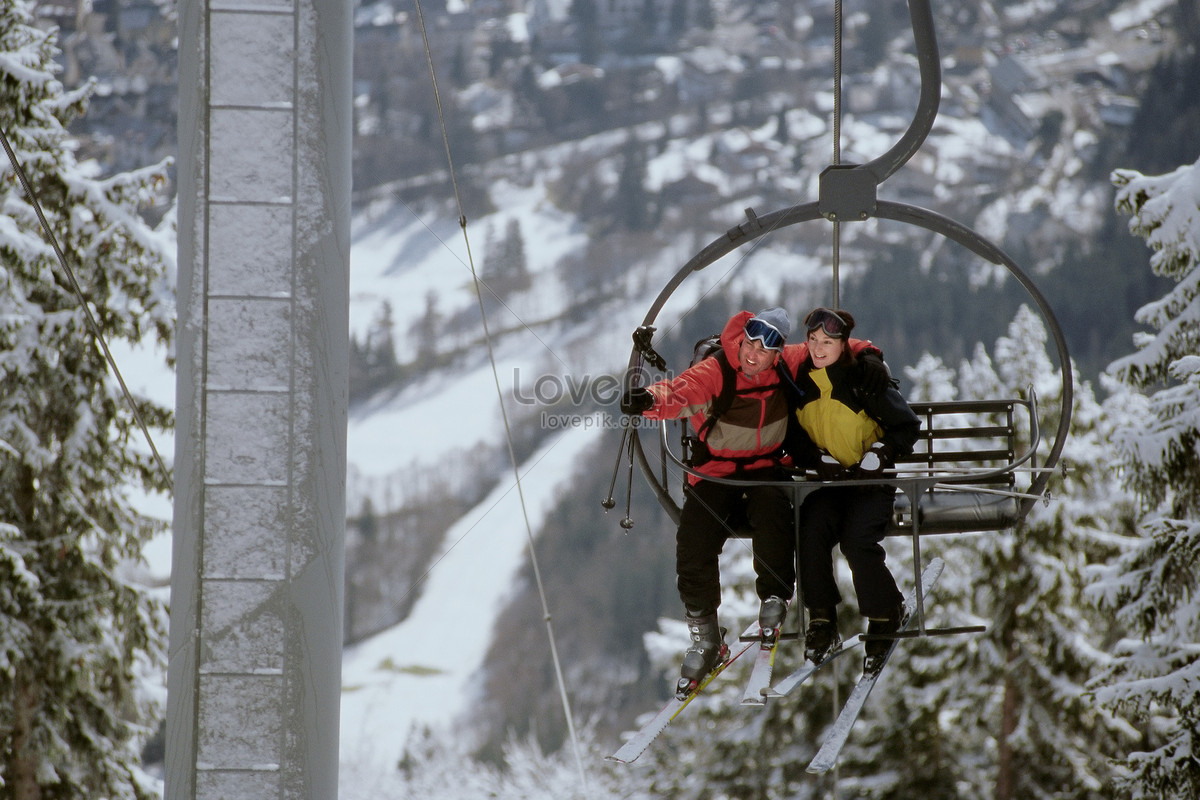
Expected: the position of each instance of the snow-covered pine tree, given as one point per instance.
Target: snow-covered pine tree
(1005, 712)
(1155, 678)
(76, 635)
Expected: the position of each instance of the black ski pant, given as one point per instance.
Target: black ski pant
(705, 524)
(856, 519)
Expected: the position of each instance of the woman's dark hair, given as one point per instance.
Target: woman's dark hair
(846, 315)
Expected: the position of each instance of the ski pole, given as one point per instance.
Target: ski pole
(641, 342)
(627, 523)
(608, 502)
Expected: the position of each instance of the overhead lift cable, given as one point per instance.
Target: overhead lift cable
(89, 317)
(537, 574)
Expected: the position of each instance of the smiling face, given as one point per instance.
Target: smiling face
(754, 358)
(824, 349)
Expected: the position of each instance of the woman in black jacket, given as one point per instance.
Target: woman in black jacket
(842, 432)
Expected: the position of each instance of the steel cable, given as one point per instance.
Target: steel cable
(462, 221)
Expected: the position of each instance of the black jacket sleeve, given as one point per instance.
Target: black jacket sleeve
(799, 445)
(901, 426)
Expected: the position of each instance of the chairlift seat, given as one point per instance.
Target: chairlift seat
(954, 512)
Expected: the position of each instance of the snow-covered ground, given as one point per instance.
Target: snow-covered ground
(420, 671)
(423, 671)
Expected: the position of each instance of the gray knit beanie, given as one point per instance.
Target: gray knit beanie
(777, 318)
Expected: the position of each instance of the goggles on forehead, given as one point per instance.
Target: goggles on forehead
(759, 331)
(828, 321)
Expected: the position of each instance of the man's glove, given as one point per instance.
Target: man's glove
(829, 468)
(873, 374)
(637, 401)
(873, 461)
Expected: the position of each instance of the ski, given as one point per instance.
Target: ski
(760, 673)
(788, 684)
(827, 756)
(641, 739)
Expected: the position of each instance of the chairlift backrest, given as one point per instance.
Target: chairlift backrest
(951, 435)
(985, 498)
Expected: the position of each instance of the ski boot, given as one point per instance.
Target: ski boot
(822, 637)
(878, 649)
(703, 656)
(771, 614)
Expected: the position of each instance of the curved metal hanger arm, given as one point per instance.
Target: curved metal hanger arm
(848, 191)
(929, 61)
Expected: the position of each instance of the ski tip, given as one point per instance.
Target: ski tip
(758, 700)
(823, 761)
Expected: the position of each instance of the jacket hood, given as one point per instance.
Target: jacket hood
(732, 335)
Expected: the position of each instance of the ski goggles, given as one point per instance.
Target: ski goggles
(759, 331)
(828, 321)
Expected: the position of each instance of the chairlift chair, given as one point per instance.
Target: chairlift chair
(942, 488)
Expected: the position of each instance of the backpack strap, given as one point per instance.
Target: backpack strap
(723, 400)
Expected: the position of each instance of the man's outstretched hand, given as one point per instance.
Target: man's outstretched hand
(637, 401)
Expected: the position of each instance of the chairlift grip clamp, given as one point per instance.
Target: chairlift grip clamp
(751, 225)
(642, 337)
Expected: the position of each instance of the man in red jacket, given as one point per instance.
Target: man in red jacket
(743, 443)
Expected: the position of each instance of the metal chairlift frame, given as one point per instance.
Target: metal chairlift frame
(848, 193)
